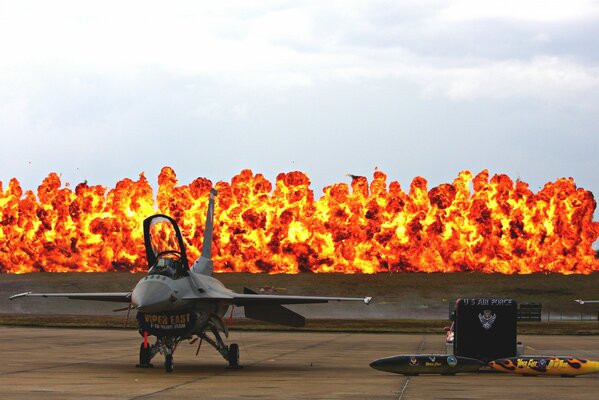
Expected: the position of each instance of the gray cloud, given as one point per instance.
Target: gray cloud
(414, 88)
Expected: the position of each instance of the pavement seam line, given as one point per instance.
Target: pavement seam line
(422, 345)
(403, 389)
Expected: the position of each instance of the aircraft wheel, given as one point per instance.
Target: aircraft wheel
(234, 355)
(168, 363)
(145, 356)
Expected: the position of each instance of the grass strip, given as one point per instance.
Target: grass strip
(312, 325)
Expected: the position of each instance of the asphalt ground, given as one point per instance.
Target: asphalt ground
(52, 363)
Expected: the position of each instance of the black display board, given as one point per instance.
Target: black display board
(485, 329)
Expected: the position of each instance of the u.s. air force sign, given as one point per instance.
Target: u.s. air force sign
(166, 324)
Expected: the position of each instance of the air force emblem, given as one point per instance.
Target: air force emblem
(487, 318)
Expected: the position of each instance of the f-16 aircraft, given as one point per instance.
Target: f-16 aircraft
(176, 303)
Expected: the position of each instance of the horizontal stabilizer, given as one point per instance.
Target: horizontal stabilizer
(273, 313)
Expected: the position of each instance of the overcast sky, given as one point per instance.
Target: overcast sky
(103, 90)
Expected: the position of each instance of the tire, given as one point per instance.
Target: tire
(234, 355)
(168, 363)
(145, 356)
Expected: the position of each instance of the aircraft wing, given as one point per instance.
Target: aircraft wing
(266, 307)
(250, 298)
(121, 297)
(586, 301)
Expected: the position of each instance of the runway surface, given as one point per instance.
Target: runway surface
(41, 363)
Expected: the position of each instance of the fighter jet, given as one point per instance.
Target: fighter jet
(176, 303)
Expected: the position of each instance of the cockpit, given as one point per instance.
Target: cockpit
(168, 266)
(164, 247)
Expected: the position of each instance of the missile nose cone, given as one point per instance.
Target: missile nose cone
(151, 296)
(382, 364)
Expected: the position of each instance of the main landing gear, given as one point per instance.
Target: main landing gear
(145, 355)
(233, 356)
(166, 345)
(230, 353)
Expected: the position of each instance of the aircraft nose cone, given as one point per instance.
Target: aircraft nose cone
(151, 296)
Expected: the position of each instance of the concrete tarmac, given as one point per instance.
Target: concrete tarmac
(42, 363)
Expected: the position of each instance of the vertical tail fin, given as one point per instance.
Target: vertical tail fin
(207, 245)
(203, 265)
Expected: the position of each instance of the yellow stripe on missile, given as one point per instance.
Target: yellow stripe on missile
(540, 365)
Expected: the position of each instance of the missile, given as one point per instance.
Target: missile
(545, 365)
(445, 364)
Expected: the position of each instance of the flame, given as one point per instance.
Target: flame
(500, 226)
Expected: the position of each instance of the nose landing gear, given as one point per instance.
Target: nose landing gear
(167, 345)
(168, 363)
(164, 345)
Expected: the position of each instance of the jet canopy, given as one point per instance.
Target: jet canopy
(165, 250)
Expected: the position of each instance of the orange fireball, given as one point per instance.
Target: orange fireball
(499, 226)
